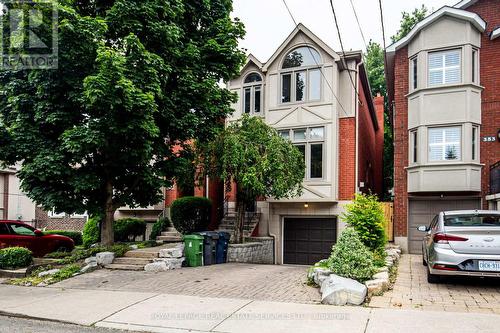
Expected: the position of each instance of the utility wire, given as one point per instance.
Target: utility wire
(359, 25)
(383, 37)
(343, 52)
(314, 58)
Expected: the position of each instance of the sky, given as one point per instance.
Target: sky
(268, 23)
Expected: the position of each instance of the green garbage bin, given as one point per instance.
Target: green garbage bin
(193, 249)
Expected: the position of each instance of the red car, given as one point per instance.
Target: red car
(15, 233)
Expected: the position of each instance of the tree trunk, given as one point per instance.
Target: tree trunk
(240, 222)
(107, 234)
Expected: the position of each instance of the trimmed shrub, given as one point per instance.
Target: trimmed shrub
(76, 236)
(128, 229)
(161, 225)
(366, 215)
(350, 258)
(191, 214)
(91, 232)
(15, 257)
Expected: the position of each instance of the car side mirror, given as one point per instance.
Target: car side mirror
(38, 233)
(423, 228)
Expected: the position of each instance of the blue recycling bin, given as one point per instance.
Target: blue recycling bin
(222, 245)
(210, 239)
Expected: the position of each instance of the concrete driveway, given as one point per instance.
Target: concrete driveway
(412, 291)
(242, 281)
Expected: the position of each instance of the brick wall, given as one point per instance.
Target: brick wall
(370, 147)
(347, 158)
(64, 223)
(489, 10)
(400, 142)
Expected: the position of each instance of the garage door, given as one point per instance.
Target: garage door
(421, 212)
(308, 240)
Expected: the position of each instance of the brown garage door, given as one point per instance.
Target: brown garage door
(421, 212)
(308, 240)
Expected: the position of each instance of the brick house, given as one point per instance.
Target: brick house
(320, 100)
(443, 83)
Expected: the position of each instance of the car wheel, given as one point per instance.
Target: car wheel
(432, 278)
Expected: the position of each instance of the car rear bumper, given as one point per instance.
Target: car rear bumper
(465, 264)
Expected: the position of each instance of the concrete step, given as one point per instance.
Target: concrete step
(141, 254)
(170, 239)
(170, 233)
(171, 229)
(125, 267)
(132, 261)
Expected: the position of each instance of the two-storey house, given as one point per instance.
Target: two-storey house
(443, 87)
(320, 100)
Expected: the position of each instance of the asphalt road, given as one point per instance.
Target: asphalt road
(21, 325)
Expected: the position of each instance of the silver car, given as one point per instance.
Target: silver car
(462, 242)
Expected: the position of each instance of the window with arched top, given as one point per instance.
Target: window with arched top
(252, 94)
(301, 75)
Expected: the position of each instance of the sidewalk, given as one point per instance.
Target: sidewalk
(151, 312)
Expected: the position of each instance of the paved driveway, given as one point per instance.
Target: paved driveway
(411, 291)
(246, 281)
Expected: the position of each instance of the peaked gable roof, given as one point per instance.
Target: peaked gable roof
(465, 4)
(300, 28)
(251, 59)
(473, 18)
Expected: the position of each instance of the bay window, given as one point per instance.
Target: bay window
(311, 143)
(301, 76)
(445, 67)
(445, 143)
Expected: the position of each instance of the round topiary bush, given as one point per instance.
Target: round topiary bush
(91, 233)
(128, 229)
(350, 258)
(15, 257)
(161, 225)
(191, 214)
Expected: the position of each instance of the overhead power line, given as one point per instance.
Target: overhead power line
(315, 61)
(359, 25)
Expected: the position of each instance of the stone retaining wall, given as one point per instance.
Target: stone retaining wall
(256, 250)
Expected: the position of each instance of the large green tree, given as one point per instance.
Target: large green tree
(258, 160)
(374, 59)
(136, 79)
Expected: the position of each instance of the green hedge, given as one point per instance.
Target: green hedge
(15, 257)
(128, 229)
(191, 214)
(76, 236)
(161, 225)
(91, 233)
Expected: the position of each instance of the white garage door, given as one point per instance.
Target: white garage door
(421, 212)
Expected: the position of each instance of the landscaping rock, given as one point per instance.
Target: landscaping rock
(171, 263)
(381, 276)
(376, 287)
(42, 284)
(134, 247)
(158, 266)
(49, 272)
(383, 269)
(105, 258)
(175, 252)
(319, 274)
(337, 290)
(90, 260)
(89, 267)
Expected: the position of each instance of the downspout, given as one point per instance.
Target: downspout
(272, 235)
(356, 111)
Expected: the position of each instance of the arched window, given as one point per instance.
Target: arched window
(252, 94)
(301, 78)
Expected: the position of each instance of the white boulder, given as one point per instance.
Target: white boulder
(337, 290)
(174, 252)
(105, 258)
(157, 266)
(171, 263)
(49, 272)
(319, 274)
(91, 260)
(89, 267)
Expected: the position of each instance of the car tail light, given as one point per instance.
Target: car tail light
(445, 238)
(445, 267)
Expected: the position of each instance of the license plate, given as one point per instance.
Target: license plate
(492, 266)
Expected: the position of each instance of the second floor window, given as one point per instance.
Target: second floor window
(445, 143)
(301, 77)
(252, 94)
(311, 143)
(414, 63)
(445, 67)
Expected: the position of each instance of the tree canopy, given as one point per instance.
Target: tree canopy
(136, 79)
(258, 160)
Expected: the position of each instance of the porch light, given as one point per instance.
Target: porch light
(306, 205)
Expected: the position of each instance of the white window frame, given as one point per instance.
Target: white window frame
(444, 144)
(414, 73)
(444, 68)
(475, 65)
(307, 142)
(414, 158)
(293, 82)
(475, 143)
(252, 86)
